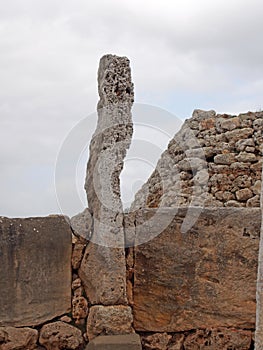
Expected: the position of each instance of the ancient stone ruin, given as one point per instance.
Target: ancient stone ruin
(178, 271)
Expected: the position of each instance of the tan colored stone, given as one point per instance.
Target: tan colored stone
(177, 342)
(233, 203)
(246, 157)
(76, 283)
(103, 274)
(35, 270)
(205, 277)
(109, 320)
(79, 308)
(244, 194)
(59, 335)
(12, 338)
(227, 158)
(218, 339)
(115, 342)
(157, 341)
(77, 254)
(229, 123)
(253, 202)
(238, 134)
(66, 319)
(256, 188)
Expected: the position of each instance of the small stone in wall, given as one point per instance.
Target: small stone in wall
(224, 159)
(222, 339)
(256, 188)
(18, 338)
(109, 320)
(77, 254)
(59, 335)
(76, 283)
(177, 342)
(246, 157)
(157, 341)
(253, 202)
(233, 203)
(79, 308)
(66, 319)
(244, 194)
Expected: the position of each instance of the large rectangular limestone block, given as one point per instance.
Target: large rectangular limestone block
(116, 342)
(35, 270)
(205, 277)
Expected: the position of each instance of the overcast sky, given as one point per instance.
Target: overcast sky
(184, 55)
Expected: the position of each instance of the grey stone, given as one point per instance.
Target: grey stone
(116, 342)
(35, 270)
(82, 224)
(203, 277)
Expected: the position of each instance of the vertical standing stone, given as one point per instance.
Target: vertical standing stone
(103, 266)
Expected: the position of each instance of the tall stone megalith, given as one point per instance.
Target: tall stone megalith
(103, 269)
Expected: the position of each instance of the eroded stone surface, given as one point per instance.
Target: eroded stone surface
(219, 339)
(59, 335)
(18, 338)
(35, 283)
(204, 277)
(157, 341)
(103, 267)
(79, 308)
(116, 342)
(103, 274)
(109, 320)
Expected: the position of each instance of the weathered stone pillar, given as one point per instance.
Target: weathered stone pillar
(103, 270)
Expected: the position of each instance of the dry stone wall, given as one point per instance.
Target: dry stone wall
(214, 160)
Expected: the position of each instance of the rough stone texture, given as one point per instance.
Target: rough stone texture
(115, 342)
(205, 277)
(18, 338)
(103, 275)
(109, 320)
(77, 254)
(157, 341)
(35, 283)
(102, 269)
(79, 308)
(59, 335)
(219, 339)
(205, 163)
(82, 224)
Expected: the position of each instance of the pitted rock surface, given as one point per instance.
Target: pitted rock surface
(103, 270)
